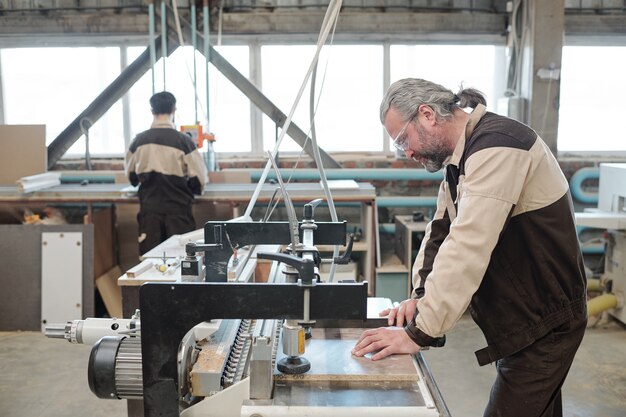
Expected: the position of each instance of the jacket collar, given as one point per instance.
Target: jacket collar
(162, 125)
(473, 120)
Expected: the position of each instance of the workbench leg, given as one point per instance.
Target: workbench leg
(370, 254)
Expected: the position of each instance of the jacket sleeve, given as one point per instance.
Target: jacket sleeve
(436, 232)
(196, 172)
(494, 179)
(130, 164)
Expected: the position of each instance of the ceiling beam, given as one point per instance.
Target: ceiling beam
(37, 29)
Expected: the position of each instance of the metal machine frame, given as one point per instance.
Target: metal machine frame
(169, 311)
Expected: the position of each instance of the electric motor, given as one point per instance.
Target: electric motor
(114, 370)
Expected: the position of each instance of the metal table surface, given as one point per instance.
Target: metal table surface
(340, 383)
(221, 192)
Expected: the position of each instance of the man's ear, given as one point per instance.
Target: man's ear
(427, 113)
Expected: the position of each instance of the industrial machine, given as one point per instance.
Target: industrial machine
(610, 215)
(206, 347)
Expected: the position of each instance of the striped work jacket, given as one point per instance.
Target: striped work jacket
(167, 165)
(502, 242)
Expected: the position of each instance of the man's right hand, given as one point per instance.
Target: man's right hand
(401, 315)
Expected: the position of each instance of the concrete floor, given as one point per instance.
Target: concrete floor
(43, 377)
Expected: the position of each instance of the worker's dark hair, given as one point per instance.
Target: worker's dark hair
(163, 103)
(408, 94)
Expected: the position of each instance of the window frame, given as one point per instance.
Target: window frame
(600, 41)
(255, 43)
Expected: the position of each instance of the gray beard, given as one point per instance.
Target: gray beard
(435, 153)
(433, 166)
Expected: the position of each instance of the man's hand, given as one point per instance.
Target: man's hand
(386, 340)
(400, 315)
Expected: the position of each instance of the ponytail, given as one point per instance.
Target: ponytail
(470, 97)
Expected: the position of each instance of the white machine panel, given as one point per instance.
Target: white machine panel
(612, 192)
(61, 277)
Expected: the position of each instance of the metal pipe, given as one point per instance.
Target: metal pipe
(398, 174)
(151, 37)
(205, 20)
(400, 201)
(164, 38)
(576, 182)
(601, 303)
(194, 43)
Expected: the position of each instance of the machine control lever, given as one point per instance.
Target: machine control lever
(304, 266)
(309, 208)
(345, 258)
(191, 248)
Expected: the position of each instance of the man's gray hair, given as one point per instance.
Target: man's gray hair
(406, 95)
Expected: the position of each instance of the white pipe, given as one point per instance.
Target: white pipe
(151, 40)
(163, 39)
(205, 19)
(320, 163)
(331, 14)
(194, 43)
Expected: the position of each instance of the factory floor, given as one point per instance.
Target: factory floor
(41, 377)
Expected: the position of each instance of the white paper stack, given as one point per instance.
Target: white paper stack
(38, 182)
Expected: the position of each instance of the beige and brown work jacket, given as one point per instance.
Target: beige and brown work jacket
(502, 242)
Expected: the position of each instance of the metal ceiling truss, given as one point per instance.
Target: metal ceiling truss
(142, 64)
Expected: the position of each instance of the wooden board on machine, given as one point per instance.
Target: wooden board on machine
(329, 351)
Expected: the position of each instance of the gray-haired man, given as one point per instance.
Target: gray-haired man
(502, 242)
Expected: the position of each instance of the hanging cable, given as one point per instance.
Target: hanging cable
(331, 15)
(313, 107)
(291, 212)
(85, 130)
(318, 159)
(181, 42)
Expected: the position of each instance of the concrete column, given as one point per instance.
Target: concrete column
(1, 93)
(541, 66)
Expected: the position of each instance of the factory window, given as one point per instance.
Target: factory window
(592, 106)
(450, 65)
(347, 111)
(41, 88)
(230, 109)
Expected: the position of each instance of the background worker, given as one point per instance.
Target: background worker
(502, 241)
(169, 170)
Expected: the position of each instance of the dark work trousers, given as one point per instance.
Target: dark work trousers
(528, 383)
(155, 228)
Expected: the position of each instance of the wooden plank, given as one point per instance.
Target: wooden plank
(329, 351)
(229, 177)
(140, 268)
(110, 292)
(104, 249)
(147, 272)
(23, 153)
